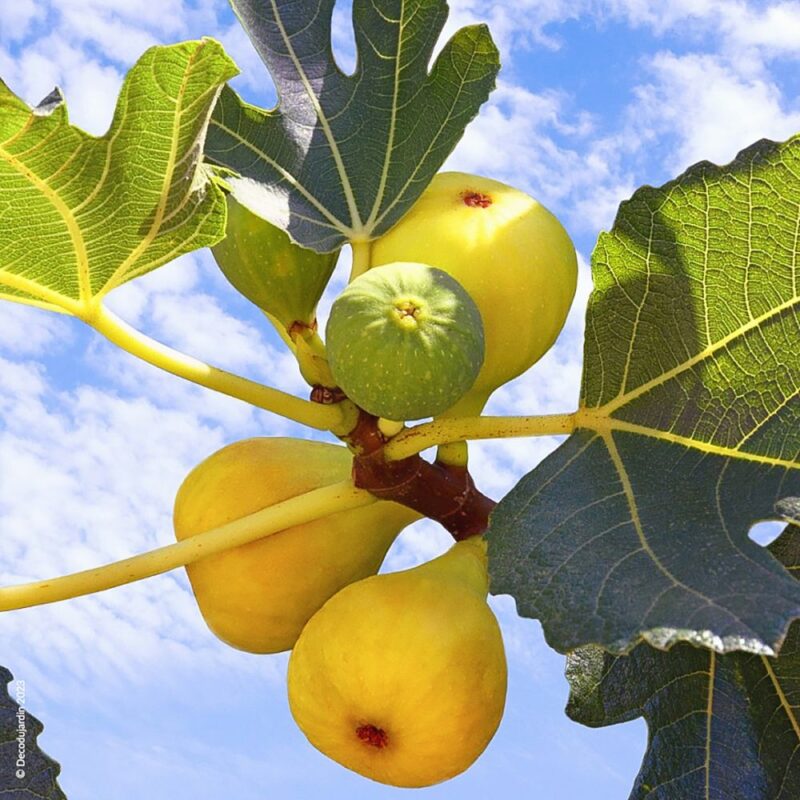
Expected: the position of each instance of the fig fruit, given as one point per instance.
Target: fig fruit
(402, 677)
(259, 596)
(512, 256)
(270, 270)
(404, 341)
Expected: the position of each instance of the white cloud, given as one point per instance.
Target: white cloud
(663, 16)
(88, 477)
(694, 106)
(516, 25)
(773, 28)
(89, 44)
(27, 331)
(254, 75)
(711, 108)
(90, 88)
(18, 17)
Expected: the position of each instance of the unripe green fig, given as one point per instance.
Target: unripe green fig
(270, 270)
(404, 341)
(258, 597)
(508, 251)
(402, 677)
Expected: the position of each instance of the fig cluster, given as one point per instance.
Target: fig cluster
(466, 292)
(400, 677)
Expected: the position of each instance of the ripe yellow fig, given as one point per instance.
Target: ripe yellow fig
(402, 677)
(512, 256)
(259, 596)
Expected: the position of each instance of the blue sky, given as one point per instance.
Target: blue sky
(138, 699)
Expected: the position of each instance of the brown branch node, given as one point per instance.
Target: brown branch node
(442, 492)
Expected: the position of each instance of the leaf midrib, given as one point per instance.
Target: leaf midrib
(356, 223)
(71, 224)
(754, 323)
(38, 294)
(334, 222)
(387, 159)
(421, 161)
(594, 420)
(712, 673)
(787, 707)
(633, 508)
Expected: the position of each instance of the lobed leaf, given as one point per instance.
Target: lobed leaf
(719, 726)
(82, 215)
(688, 426)
(344, 156)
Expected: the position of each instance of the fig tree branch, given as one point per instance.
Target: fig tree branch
(441, 492)
(336, 418)
(295, 511)
(441, 431)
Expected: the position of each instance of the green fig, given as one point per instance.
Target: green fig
(258, 597)
(404, 341)
(270, 270)
(402, 677)
(508, 251)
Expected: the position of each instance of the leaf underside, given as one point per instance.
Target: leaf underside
(720, 727)
(38, 780)
(82, 215)
(688, 427)
(344, 156)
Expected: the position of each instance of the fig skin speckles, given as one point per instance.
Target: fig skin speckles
(405, 341)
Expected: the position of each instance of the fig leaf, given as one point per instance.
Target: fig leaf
(344, 156)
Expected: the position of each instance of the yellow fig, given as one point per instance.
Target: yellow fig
(402, 677)
(512, 256)
(259, 596)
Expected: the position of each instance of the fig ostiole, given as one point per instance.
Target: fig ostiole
(512, 256)
(405, 341)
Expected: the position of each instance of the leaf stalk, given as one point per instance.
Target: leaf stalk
(335, 418)
(442, 431)
(297, 510)
(362, 258)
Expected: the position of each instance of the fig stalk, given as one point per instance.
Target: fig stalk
(444, 493)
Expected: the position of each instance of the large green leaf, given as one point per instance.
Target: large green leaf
(688, 429)
(719, 726)
(26, 773)
(81, 215)
(344, 156)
